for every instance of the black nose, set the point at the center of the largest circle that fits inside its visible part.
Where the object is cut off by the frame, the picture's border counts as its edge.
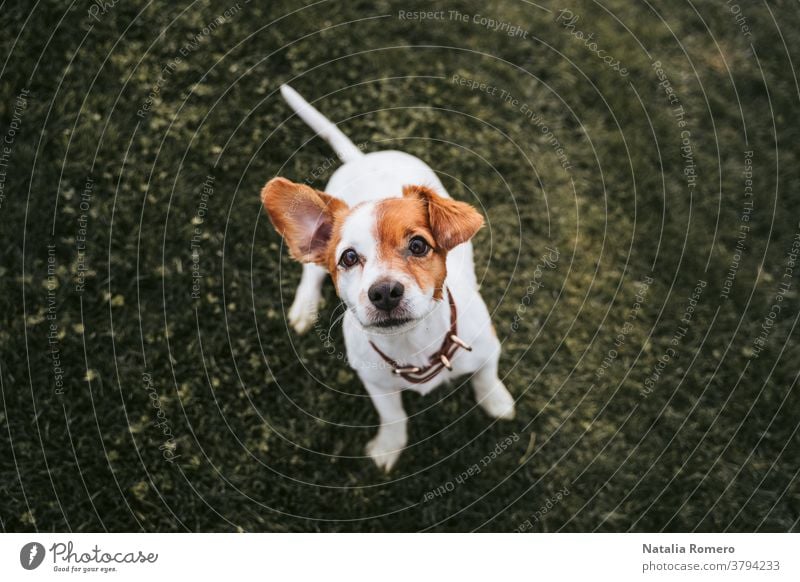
(385, 295)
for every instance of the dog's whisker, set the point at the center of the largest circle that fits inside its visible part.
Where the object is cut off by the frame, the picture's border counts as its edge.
(338, 319)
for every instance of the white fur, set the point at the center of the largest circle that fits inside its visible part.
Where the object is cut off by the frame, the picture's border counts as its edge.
(362, 180)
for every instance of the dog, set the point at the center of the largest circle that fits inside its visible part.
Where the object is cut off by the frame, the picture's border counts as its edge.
(398, 249)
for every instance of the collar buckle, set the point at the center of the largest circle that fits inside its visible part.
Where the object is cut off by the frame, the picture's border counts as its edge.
(439, 360)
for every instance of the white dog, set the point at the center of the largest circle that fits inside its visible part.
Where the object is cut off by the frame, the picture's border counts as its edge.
(399, 252)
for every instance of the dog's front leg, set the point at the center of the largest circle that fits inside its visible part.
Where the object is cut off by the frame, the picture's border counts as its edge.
(490, 392)
(387, 445)
(303, 312)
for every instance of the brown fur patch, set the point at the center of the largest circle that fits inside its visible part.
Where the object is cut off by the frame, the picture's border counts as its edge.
(398, 220)
(452, 222)
(331, 259)
(306, 218)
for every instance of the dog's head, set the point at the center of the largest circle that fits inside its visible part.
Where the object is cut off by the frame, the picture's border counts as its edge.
(387, 258)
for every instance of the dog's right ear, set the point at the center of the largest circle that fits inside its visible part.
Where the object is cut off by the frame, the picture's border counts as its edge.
(303, 216)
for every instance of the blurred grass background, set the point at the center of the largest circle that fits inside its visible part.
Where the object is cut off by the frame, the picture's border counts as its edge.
(260, 443)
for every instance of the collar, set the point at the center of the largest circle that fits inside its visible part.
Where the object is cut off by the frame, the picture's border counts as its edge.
(438, 360)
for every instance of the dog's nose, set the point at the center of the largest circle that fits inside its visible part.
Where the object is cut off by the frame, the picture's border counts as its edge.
(385, 295)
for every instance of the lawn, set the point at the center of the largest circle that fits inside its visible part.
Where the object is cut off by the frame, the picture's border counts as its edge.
(637, 166)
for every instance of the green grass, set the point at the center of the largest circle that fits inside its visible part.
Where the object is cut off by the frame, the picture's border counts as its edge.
(268, 427)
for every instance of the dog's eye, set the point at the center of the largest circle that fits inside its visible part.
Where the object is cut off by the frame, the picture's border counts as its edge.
(418, 246)
(349, 258)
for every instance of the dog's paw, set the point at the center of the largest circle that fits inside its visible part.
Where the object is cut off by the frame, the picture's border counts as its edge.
(303, 313)
(499, 403)
(385, 450)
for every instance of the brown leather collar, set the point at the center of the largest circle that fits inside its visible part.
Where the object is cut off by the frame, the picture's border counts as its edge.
(438, 361)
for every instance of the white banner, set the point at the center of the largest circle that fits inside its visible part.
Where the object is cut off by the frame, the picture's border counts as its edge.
(389, 557)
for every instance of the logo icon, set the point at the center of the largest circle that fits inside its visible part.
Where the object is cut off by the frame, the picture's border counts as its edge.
(31, 555)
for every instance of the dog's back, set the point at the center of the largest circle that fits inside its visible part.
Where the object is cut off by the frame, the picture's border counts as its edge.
(381, 175)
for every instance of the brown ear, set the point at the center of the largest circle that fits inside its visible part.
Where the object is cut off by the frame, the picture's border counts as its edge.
(451, 222)
(303, 216)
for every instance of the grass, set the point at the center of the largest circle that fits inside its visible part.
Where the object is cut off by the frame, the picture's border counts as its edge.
(206, 414)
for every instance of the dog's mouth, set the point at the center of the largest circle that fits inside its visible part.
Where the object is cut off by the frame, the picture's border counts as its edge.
(391, 322)
(378, 321)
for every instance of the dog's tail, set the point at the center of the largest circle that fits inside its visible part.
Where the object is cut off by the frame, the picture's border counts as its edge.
(341, 144)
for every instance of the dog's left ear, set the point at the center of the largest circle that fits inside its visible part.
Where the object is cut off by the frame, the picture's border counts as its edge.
(303, 216)
(451, 222)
